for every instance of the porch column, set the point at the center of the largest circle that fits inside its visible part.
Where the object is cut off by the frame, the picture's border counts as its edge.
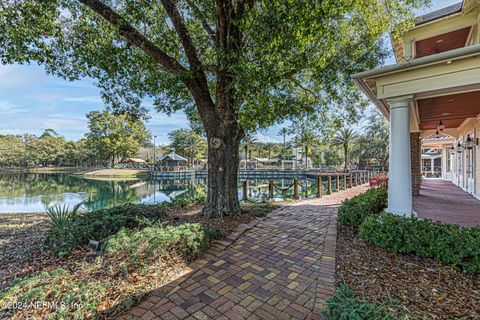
(399, 178)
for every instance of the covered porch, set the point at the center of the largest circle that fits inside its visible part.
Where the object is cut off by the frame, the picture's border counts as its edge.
(424, 99)
(441, 200)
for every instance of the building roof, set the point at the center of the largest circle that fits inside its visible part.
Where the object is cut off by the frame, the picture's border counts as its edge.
(266, 160)
(438, 14)
(135, 160)
(172, 156)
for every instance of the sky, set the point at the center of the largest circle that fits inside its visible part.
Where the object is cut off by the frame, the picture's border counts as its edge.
(32, 101)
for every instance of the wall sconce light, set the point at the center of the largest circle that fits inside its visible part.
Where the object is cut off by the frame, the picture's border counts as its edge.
(459, 147)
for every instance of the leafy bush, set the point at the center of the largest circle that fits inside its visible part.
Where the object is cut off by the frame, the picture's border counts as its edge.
(100, 224)
(345, 306)
(187, 241)
(75, 298)
(444, 243)
(353, 211)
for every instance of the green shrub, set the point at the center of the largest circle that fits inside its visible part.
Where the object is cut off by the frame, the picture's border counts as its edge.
(353, 211)
(444, 243)
(75, 298)
(187, 241)
(78, 229)
(343, 305)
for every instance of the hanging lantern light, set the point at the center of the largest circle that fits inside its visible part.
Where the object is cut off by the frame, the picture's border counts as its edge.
(459, 147)
(437, 133)
(469, 144)
(441, 126)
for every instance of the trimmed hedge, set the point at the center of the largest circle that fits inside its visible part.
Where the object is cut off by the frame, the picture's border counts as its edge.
(444, 243)
(353, 211)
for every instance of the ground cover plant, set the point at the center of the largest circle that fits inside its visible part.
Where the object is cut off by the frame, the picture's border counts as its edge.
(147, 247)
(345, 305)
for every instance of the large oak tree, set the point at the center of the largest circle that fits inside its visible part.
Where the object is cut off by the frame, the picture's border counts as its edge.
(236, 64)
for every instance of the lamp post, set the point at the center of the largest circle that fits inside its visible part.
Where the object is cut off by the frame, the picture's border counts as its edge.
(154, 155)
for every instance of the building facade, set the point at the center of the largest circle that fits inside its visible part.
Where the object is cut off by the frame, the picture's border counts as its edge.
(432, 99)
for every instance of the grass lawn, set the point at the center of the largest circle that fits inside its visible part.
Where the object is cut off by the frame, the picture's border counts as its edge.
(67, 170)
(86, 171)
(144, 254)
(117, 173)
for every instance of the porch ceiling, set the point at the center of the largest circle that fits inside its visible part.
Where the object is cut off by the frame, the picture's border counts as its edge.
(452, 109)
(448, 41)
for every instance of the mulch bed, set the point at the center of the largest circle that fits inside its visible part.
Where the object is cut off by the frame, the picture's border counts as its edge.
(417, 287)
(22, 237)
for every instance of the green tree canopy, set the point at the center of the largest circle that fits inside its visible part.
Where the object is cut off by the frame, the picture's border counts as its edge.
(115, 137)
(237, 64)
(374, 143)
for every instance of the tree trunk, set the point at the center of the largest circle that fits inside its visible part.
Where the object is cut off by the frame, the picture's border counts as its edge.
(306, 156)
(345, 150)
(223, 163)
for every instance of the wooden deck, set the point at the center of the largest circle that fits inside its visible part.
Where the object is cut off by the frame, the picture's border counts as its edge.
(443, 201)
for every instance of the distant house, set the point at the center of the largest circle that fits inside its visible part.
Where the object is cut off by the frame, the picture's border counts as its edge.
(268, 162)
(134, 163)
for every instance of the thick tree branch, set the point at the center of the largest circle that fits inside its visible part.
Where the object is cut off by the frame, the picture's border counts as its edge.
(200, 91)
(203, 20)
(196, 84)
(135, 37)
(182, 31)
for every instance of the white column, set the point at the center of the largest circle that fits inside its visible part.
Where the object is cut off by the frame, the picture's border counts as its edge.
(400, 175)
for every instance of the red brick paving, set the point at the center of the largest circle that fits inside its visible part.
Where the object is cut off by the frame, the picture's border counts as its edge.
(443, 201)
(278, 267)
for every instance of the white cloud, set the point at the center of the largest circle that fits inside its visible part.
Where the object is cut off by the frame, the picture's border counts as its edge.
(87, 99)
(60, 123)
(158, 119)
(264, 138)
(9, 108)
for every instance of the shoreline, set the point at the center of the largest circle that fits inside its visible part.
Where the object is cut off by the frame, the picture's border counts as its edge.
(90, 172)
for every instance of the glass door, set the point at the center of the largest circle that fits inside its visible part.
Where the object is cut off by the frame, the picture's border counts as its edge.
(470, 171)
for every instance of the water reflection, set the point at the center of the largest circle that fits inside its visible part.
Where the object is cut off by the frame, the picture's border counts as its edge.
(32, 192)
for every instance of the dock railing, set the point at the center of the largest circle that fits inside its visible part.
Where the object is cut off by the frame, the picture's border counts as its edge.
(322, 183)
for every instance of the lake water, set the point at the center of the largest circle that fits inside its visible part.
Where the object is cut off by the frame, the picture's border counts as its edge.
(33, 192)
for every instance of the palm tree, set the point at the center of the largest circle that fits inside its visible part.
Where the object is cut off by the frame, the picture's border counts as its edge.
(247, 140)
(344, 138)
(283, 132)
(194, 144)
(306, 138)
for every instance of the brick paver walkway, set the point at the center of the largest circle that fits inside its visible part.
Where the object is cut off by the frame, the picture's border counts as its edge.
(278, 267)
